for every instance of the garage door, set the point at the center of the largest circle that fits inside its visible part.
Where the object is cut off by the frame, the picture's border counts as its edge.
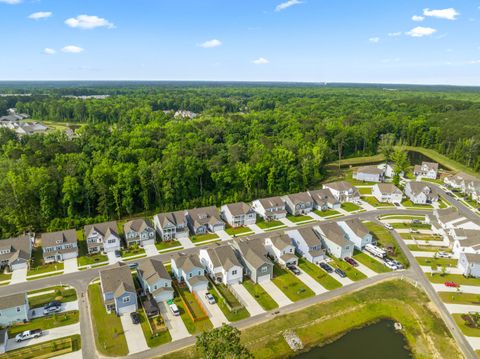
(263, 278)
(17, 266)
(127, 310)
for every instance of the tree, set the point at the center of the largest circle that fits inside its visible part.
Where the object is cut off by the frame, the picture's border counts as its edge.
(221, 343)
(400, 164)
(386, 146)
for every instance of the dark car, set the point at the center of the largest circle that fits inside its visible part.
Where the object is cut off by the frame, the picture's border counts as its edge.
(351, 261)
(133, 265)
(135, 317)
(340, 272)
(326, 267)
(294, 269)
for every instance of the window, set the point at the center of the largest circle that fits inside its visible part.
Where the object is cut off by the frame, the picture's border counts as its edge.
(190, 275)
(155, 287)
(234, 272)
(18, 309)
(263, 270)
(126, 299)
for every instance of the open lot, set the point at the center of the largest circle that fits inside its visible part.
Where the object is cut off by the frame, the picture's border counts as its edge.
(386, 240)
(370, 262)
(460, 298)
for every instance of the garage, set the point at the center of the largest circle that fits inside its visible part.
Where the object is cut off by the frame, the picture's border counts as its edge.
(128, 309)
(17, 265)
(263, 278)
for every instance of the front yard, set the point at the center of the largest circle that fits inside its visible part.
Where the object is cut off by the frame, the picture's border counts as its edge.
(153, 339)
(193, 327)
(203, 237)
(297, 219)
(469, 324)
(410, 204)
(350, 271)
(420, 248)
(460, 298)
(365, 190)
(374, 202)
(268, 224)
(322, 277)
(260, 295)
(327, 213)
(293, 287)
(45, 323)
(133, 251)
(350, 207)
(37, 265)
(370, 262)
(162, 245)
(59, 293)
(238, 231)
(437, 262)
(457, 278)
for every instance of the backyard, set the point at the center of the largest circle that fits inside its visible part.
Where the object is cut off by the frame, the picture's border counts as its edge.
(238, 311)
(260, 295)
(293, 288)
(322, 277)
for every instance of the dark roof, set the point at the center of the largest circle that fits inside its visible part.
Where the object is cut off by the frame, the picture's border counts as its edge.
(175, 218)
(103, 229)
(55, 238)
(204, 215)
(13, 300)
(152, 270)
(20, 247)
(323, 196)
(137, 225)
(239, 208)
(187, 262)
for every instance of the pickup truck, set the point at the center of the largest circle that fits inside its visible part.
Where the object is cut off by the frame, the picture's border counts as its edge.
(28, 334)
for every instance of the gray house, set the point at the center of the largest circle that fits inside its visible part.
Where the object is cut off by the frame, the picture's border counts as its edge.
(15, 253)
(253, 256)
(189, 269)
(308, 244)
(420, 193)
(335, 240)
(298, 203)
(154, 279)
(238, 214)
(203, 220)
(13, 309)
(139, 231)
(59, 246)
(118, 290)
(324, 199)
(171, 225)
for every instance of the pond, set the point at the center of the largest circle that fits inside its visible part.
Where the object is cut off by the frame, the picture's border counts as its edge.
(376, 341)
(416, 158)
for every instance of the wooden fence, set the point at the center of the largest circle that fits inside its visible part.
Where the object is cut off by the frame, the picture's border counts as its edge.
(188, 309)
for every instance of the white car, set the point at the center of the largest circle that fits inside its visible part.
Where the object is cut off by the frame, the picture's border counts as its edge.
(388, 226)
(443, 255)
(210, 298)
(174, 309)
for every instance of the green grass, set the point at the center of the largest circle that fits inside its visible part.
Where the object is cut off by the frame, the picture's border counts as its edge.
(260, 295)
(349, 178)
(374, 202)
(350, 271)
(60, 293)
(460, 298)
(91, 259)
(107, 328)
(365, 190)
(46, 349)
(410, 204)
(296, 219)
(37, 265)
(385, 238)
(356, 161)
(196, 327)
(194, 305)
(238, 231)
(437, 262)
(409, 225)
(293, 288)
(203, 237)
(420, 237)
(405, 217)
(457, 278)
(167, 244)
(370, 262)
(420, 248)
(266, 225)
(45, 323)
(238, 313)
(153, 340)
(322, 277)
(350, 207)
(132, 251)
(327, 213)
(468, 331)
(5, 276)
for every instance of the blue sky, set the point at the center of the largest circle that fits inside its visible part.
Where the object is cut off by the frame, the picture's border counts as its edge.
(254, 40)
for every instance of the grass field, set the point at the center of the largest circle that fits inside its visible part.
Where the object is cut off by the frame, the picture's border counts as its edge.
(365, 190)
(268, 224)
(203, 237)
(420, 248)
(45, 323)
(296, 219)
(370, 262)
(48, 349)
(152, 339)
(350, 271)
(232, 315)
(167, 244)
(238, 231)
(350, 207)
(374, 202)
(260, 295)
(293, 287)
(410, 204)
(327, 213)
(405, 217)
(460, 298)
(457, 278)
(385, 238)
(322, 277)
(196, 327)
(408, 225)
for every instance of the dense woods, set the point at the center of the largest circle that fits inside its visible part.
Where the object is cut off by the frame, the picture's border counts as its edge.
(249, 141)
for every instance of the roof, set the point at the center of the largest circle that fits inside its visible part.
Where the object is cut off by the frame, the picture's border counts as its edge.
(430, 165)
(117, 279)
(388, 188)
(271, 202)
(55, 238)
(473, 241)
(419, 187)
(197, 279)
(20, 247)
(472, 257)
(301, 197)
(239, 208)
(461, 176)
(446, 215)
(287, 256)
(334, 233)
(223, 256)
(104, 229)
(253, 251)
(281, 241)
(13, 300)
(187, 262)
(370, 170)
(323, 196)
(137, 225)
(340, 186)
(175, 218)
(310, 236)
(152, 270)
(204, 215)
(357, 227)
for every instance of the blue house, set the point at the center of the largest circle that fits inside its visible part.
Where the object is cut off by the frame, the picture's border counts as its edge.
(118, 290)
(154, 279)
(13, 309)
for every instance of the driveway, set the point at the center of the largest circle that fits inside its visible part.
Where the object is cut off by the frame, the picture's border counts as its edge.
(49, 334)
(68, 306)
(365, 270)
(214, 312)
(19, 276)
(186, 242)
(134, 335)
(310, 282)
(70, 265)
(256, 229)
(150, 250)
(276, 294)
(175, 325)
(463, 288)
(316, 216)
(224, 236)
(450, 270)
(343, 281)
(287, 222)
(462, 308)
(112, 258)
(247, 300)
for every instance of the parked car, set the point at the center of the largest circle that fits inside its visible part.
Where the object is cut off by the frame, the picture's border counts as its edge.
(396, 204)
(52, 307)
(118, 254)
(397, 264)
(174, 309)
(388, 226)
(414, 230)
(135, 317)
(133, 265)
(351, 261)
(28, 334)
(390, 264)
(340, 272)
(326, 267)
(416, 221)
(443, 255)
(294, 269)
(452, 284)
(210, 298)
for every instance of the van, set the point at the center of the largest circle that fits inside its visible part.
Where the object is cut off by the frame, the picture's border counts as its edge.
(174, 309)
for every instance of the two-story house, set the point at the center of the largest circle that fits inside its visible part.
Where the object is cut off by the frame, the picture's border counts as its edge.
(426, 169)
(308, 244)
(298, 203)
(171, 225)
(59, 246)
(203, 220)
(281, 249)
(188, 269)
(15, 253)
(356, 232)
(102, 237)
(335, 240)
(420, 193)
(222, 265)
(323, 199)
(118, 289)
(139, 231)
(270, 209)
(387, 192)
(155, 280)
(343, 191)
(469, 264)
(13, 309)
(238, 214)
(369, 174)
(253, 256)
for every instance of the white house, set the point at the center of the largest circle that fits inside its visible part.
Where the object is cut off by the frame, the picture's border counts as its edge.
(343, 191)
(102, 237)
(281, 249)
(471, 244)
(272, 208)
(387, 192)
(298, 203)
(59, 246)
(469, 263)
(427, 170)
(238, 214)
(388, 170)
(324, 199)
(222, 265)
(139, 231)
(308, 244)
(459, 181)
(420, 193)
(356, 232)
(335, 240)
(369, 174)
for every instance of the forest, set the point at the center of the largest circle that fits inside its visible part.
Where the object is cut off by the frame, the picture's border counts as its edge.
(131, 156)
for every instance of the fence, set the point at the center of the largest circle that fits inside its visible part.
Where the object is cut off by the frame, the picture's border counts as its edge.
(225, 300)
(42, 351)
(187, 306)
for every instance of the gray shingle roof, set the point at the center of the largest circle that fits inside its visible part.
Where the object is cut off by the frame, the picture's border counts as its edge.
(13, 300)
(370, 170)
(357, 227)
(223, 256)
(310, 236)
(175, 218)
(103, 229)
(388, 188)
(253, 251)
(137, 225)
(239, 208)
(281, 241)
(271, 202)
(187, 262)
(117, 279)
(152, 270)
(20, 247)
(323, 196)
(334, 233)
(55, 238)
(204, 215)
(300, 197)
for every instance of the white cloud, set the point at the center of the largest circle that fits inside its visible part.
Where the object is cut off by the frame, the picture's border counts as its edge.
(88, 22)
(287, 4)
(448, 14)
(421, 31)
(261, 61)
(210, 44)
(394, 34)
(40, 15)
(374, 40)
(72, 49)
(11, 2)
(418, 18)
(49, 51)
(475, 62)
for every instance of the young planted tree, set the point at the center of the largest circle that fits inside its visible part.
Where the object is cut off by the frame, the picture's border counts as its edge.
(222, 343)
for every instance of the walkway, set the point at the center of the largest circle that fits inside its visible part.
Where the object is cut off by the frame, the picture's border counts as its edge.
(256, 229)
(247, 299)
(276, 294)
(365, 270)
(287, 222)
(224, 236)
(19, 276)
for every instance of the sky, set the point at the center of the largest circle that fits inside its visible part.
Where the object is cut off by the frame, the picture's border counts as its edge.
(370, 41)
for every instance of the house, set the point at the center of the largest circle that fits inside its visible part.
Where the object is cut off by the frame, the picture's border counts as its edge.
(171, 225)
(222, 264)
(389, 171)
(270, 209)
(469, 264)
(15, 253)
(155, 280)
(102, 237)
(238, 214)
(369, 174)
(253, 256)
(387, 192)
(298, 203)
(459, 181)
(335, 240)
(59, 246)
(3, 340)
(13, 309)
(426, 169)
(281, 249)
(473, 190)
(308, 244)
(357, 232)
(471, 244)
(451, 225)
(420, 193)
(203, 220)
(343, 191)
(188, 269)
(140, 232)
(118, 290)
(324, 199)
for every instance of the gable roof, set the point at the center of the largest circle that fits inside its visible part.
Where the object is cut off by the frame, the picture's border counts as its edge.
(253, 251)
(281, 241)
(174, 218)
(373, 170)
(271, 202)
(61, 237)
(204, 215)
(152, 270)
(357, 227)
(340, 186)
(417, 188)
(187, 262)
(472, 257)
(137, 225)
(104, 229)
(334, 233)
(430, 165)
(450, 214)
(13, 300)
(301, 197)
(223, 256)
(310, 236)
(239, 208)
(117, 279)
(323, 196)
(20, 247)
(388, 188)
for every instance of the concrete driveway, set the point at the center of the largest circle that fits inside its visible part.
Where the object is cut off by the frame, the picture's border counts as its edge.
(310, 282)
(462, 308)
(214, 312)
(66, 307)
(256, 229)
(150, 250)
(440, 287)
(224, 236)
(19, 276)
(49, 334)
(70, 265)
(287, 222)
(112, 258)
(276, 294)
(175, 325)
(134, 335)
(247, 299)
(365, 270)
(343, 281)
(186, 242)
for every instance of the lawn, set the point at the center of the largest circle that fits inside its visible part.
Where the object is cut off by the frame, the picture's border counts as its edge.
(374, 202)
(196, 327)
(293, 288)
(203, 237)
(460, 298)
(37, 265)
(350, 207)
(153, 340)
(59, 293)
(132, 251)
(409, 225)
(260, 295)
(385, 239)
(349, 178)
(357, 161)
(296, 219)
(5, 276)
(269, 224)
(107, 328)
(370, 262)
(47, 349)
(91, 259)
(238, 231)
(463, 325)
(322, 277)
(365, 190)
(410, 204)
(327, 213)
(405, 217)
(420, 248)
(167, 244)
(457, 278)
(45, 323)
(420, 237)
(437, 262)
(350, 271)
(238, 313)
(193, 304)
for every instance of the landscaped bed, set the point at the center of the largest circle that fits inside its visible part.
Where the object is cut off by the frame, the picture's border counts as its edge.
(133, 251)
(370, 262)
(469, 323)
(59, 293)
(293, 288)
(260, 295)
(45, 323)
(322, 277)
